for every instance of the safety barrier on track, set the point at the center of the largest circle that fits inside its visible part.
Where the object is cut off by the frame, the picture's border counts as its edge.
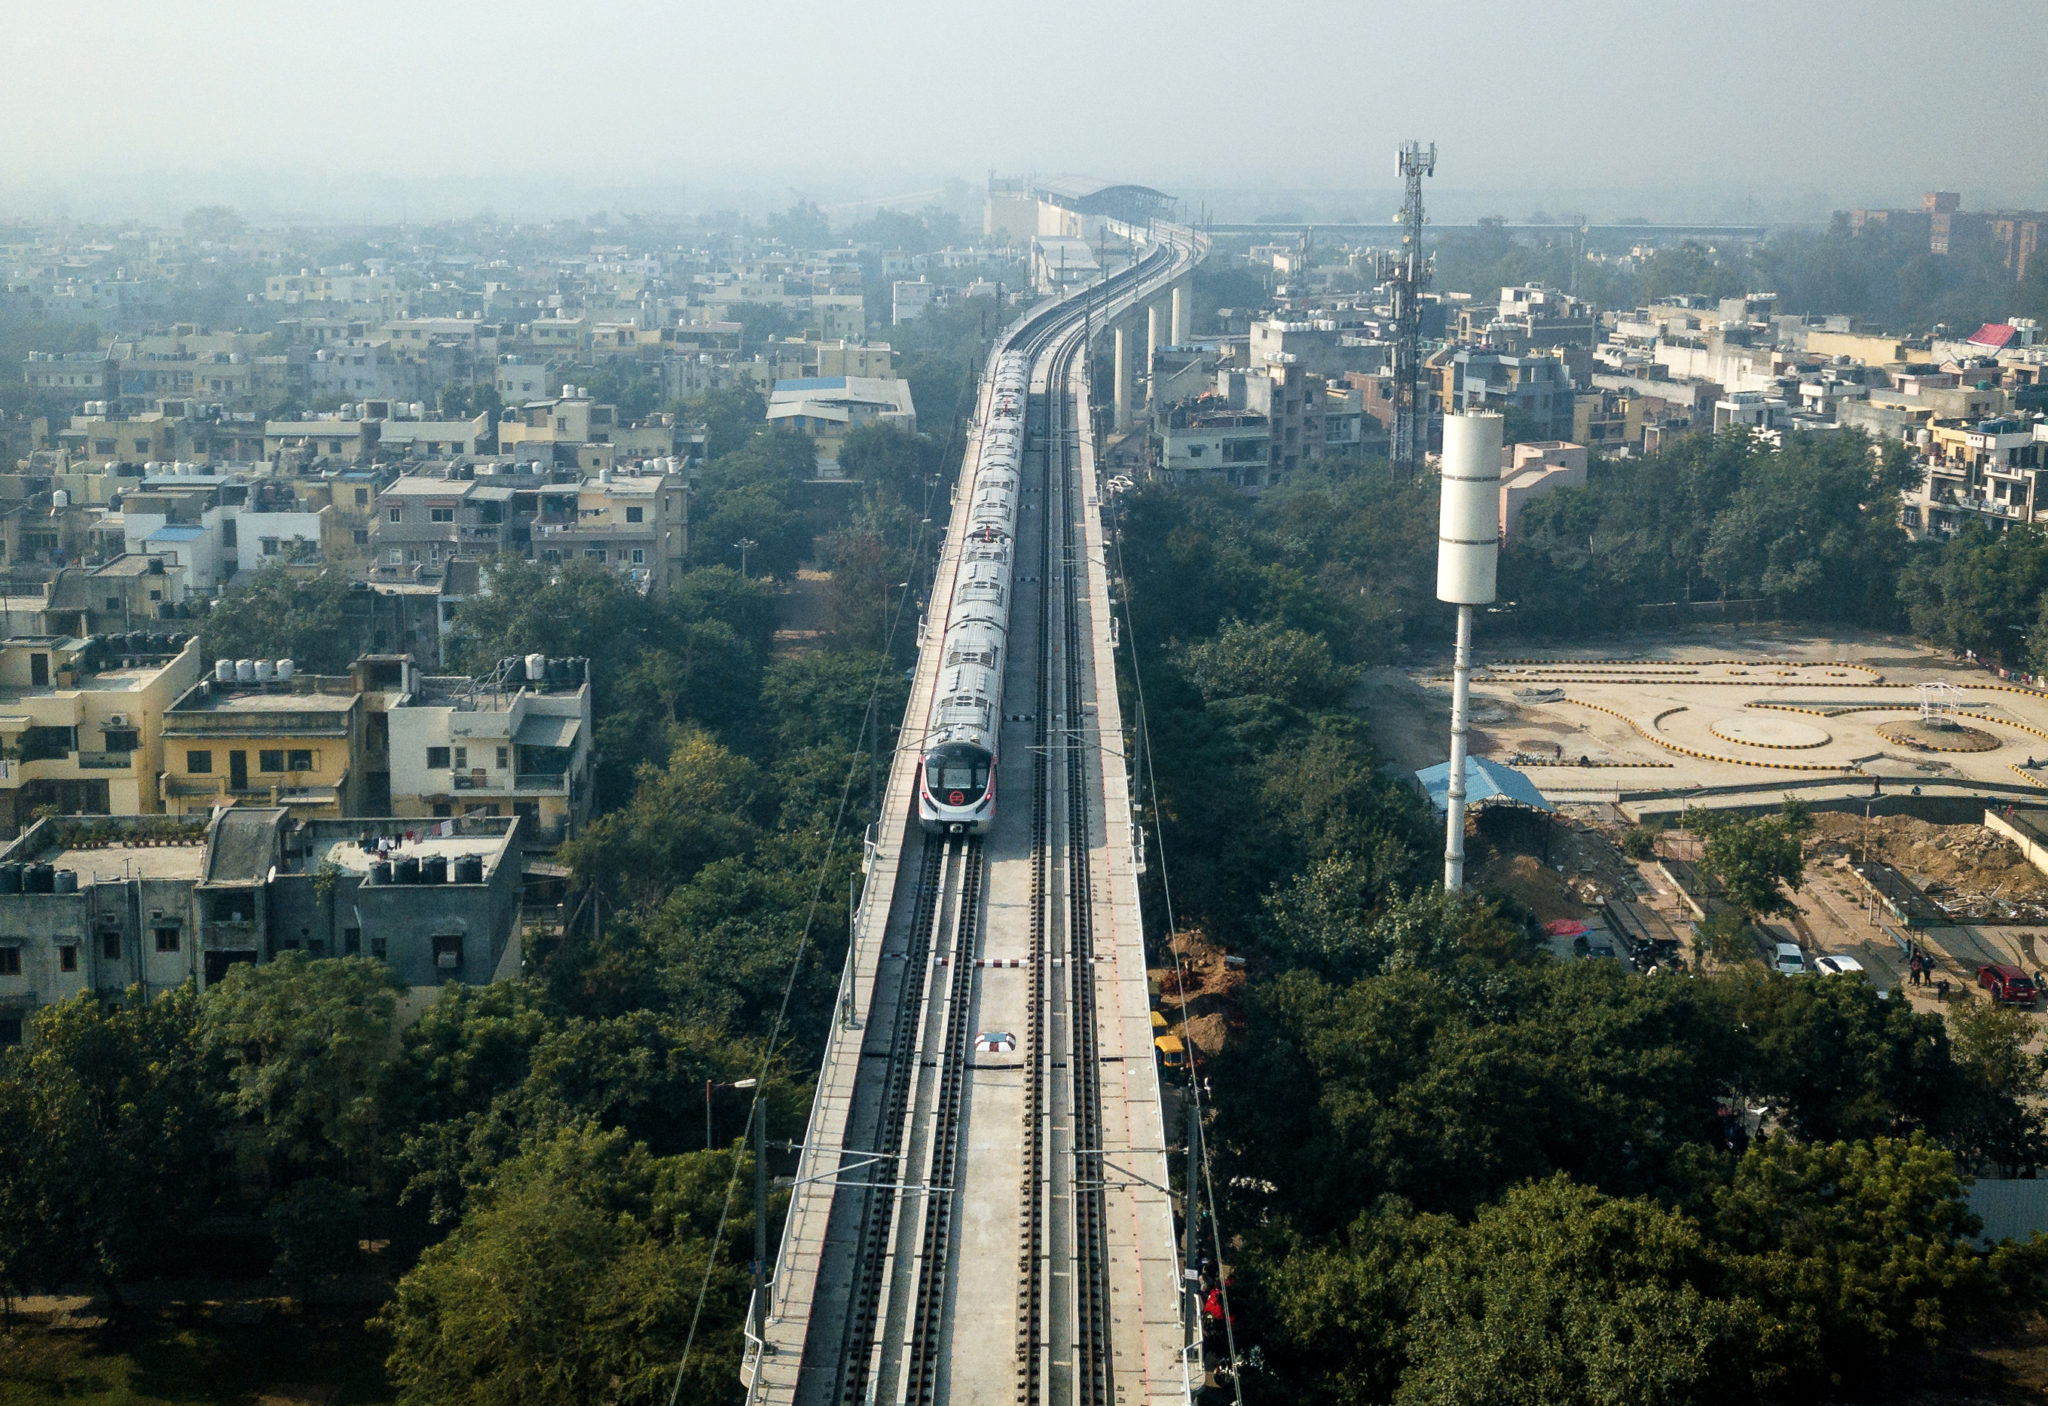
(2028, 777)
(1669, 746)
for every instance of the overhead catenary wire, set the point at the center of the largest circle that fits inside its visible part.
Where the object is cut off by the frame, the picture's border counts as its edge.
(1151, 784)
(859, 760)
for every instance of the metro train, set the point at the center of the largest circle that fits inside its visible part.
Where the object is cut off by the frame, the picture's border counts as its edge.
(956, 791)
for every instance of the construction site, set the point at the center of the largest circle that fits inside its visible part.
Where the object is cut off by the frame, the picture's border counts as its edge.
(1903, 755)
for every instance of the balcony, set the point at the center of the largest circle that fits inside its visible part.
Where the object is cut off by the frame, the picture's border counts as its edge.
(542, 781)
(105, 761)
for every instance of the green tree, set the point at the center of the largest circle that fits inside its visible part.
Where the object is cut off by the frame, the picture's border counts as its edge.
(1996, 1121)
(305, 1041)
(317, 1227)
(1293, 666)
(591, 1251)
(1859, 1251)
(698, 808)
(107, 1121)
(276, 612)
(1755, 859)
(1559, 1296)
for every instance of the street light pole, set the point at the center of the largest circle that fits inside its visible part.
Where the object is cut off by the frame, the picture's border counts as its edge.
(743, 546)
(760, 1121)
(709, 1085)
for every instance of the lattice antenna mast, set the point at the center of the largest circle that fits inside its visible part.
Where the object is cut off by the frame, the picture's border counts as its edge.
(1407, 274)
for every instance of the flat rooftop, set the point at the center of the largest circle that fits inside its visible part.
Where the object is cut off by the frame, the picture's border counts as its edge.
(103, 863)
(256, 699)
(349, 854)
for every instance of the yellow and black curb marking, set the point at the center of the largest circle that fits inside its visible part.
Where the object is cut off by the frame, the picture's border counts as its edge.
(1825, 738)
(1683, 663)
(2026, 776)
(1669, 746)
(1991, 744)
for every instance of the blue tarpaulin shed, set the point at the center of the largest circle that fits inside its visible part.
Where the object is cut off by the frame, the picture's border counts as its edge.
(1484, 782)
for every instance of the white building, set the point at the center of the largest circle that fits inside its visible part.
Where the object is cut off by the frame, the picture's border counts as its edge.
(517, 744)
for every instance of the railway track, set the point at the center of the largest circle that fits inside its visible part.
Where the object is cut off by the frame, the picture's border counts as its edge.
(901, 1323)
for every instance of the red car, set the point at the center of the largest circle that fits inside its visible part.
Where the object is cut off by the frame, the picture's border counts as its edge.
(2007, 983)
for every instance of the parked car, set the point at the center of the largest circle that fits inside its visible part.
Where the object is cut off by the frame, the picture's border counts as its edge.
(2007, 982)
(1788, 960)
(1838, 964)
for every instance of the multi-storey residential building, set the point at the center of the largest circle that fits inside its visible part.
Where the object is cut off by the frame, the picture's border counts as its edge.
(518, 743)
(636, 523)
(83, 720)
(299, 741)
(100, 906)
(427, 518)
(1988, 473)
(1536, 387)
(1225, 446)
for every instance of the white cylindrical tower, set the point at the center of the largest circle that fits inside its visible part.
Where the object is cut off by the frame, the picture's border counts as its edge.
(1468, 526)
(1467, 563)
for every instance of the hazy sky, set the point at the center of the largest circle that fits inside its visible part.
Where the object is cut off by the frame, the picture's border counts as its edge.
(1850, 102)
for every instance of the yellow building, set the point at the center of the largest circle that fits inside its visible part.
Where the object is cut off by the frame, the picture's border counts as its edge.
(81, 721)
(299, 742)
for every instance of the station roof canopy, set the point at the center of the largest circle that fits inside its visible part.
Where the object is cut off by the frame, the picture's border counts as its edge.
(1486, 783)
(1130, 204)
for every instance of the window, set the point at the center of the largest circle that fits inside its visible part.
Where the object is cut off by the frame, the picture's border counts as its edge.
(448, 952)
(440, 515)
(39, 670)
(594, 553)
(10, 1029)
(362, 535)
(639, 556)
(362, 497)
(299, 759)
(636, 515)
(398, 515)
(167, 939)
(462, 759)
(10, 961)
(270, 546)
(110, 946)
(156, 595)
(123, 739)
(351, 942)
(379, 946)
(437, 758)
(113, 605)
(442, 811)
(504, 758)
(270, 761)
(199, 763)
(67, 957)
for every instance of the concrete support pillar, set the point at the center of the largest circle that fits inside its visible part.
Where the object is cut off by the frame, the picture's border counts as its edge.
(1126, 374)
(1183, 312)
(1156, 330)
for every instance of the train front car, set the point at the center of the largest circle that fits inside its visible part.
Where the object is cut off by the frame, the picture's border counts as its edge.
(957, 781)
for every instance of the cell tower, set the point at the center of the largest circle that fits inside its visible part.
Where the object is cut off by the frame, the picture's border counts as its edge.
(1407, 274)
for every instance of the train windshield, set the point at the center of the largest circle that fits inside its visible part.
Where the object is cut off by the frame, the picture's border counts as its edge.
(956, 775)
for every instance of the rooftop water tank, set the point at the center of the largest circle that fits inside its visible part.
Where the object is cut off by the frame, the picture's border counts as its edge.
(224, 670)
(285, 668)
(245, 671)
(64, 881)
(536, 668)
(265, 671)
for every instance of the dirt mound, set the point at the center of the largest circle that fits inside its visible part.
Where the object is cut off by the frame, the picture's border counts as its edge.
(1199, 997)
(1968, 861)
(1533, 884)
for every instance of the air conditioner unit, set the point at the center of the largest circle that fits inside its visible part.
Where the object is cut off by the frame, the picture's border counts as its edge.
(117, 720)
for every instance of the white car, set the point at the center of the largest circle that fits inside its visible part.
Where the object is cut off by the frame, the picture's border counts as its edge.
(1837, 964)
(1788, 960)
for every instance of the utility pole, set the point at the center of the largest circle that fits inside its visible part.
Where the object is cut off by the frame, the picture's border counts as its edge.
(1407, 274)
(743, 546)
(1191, 1245)
(760, 1121)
